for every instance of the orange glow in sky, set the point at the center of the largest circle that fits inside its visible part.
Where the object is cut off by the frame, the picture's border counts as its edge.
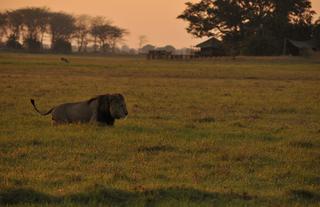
(154, 18)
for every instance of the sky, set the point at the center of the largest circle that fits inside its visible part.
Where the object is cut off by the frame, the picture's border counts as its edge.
(156, 19)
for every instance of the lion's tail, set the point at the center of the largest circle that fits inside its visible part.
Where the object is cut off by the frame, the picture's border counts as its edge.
(42, 113)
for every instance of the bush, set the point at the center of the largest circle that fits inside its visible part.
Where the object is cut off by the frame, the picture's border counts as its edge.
(106, 48)
(32, 45)
(316, 33)
(61, 46)
(13, 43)
(260, 45)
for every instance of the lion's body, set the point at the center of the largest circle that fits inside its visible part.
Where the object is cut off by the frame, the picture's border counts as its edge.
(74, 112)
(101, 109)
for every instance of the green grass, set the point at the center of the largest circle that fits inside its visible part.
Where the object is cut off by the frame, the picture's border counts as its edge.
(213, 132)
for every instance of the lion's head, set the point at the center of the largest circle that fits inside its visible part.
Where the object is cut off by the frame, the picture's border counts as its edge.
(118, 108)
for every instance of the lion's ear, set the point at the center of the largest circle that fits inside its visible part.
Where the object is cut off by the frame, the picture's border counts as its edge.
(92, 99)
(120, 95)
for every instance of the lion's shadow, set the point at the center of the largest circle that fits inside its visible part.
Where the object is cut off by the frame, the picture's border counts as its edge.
(114, 197)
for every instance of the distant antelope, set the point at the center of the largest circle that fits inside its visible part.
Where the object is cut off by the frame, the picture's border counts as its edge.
(64, 60)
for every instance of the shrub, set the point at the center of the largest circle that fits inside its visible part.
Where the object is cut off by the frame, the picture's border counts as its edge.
(13, 43)
(32, 45)
(61, 46)
(261, 45)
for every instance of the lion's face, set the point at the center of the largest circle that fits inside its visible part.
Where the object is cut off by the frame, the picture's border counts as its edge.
(118, 108)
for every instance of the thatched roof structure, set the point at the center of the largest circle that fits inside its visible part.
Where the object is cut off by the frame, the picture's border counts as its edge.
(210, 43)
(309, 44)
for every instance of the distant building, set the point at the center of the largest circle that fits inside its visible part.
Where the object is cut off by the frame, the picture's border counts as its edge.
(210, 47)
(145, 49)
(304, 48)
(159, 54)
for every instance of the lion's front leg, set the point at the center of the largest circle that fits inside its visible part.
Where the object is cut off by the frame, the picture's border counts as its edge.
(94, 117)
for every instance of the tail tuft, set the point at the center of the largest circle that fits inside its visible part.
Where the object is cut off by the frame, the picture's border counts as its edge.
(35, 108)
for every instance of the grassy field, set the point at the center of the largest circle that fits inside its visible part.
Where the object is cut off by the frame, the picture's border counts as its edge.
(216, 132)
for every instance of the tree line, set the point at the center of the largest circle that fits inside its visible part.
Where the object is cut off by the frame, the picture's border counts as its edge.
(252, 27)
(32, 27)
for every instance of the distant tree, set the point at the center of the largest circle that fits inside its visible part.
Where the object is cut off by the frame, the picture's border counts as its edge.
(133, 51)
(125, 49)
(35, 22)
(13, 43)
(168, 48)
(102, 32)
(142, 40)
(235, 21)
(96, 24)
(261, 45)
(106, 35)
(3, 25)
(14, 24)
(30, 24)
(316, 32)
(82, 31)
(220, 17)
(145, 49)
(62, 46)
(116, 34)
(186, 51)
(32, 44)
(62, 27)
(288, 13)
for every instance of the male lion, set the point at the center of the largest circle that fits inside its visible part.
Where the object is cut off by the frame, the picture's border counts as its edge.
(100, 109)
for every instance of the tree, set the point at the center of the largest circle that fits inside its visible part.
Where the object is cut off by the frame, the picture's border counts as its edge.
(3, 24)
(133, 51)
(142, 40)
(106, 34)
(13, 43)
(35, 22)
(61, 46)
(14, 24)
(168, 48)
(30, 24)
(82, 31)
(102, 32)
(96, 23)
(316, 32)
(145, 49)
(125, 49)
(115, 34)
(235, 20)
(261, 45)
(32, 44)
(292, 19)
(62, 27)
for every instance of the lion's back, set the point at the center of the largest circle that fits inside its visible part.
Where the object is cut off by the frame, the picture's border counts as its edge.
(72, 112)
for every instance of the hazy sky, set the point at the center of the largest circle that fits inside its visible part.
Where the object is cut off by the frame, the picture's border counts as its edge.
(154, 18)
